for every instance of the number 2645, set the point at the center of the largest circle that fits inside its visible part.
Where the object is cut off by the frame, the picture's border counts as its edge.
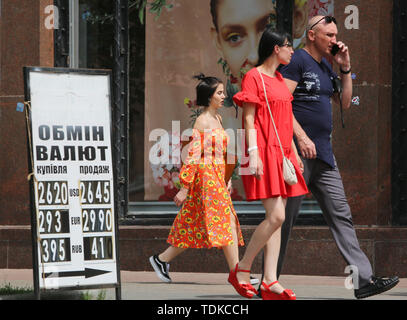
(95, 192)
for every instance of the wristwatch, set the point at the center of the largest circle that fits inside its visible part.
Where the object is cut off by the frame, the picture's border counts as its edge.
(345, 72)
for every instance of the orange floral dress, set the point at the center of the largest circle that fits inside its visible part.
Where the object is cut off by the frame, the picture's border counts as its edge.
(204, 219)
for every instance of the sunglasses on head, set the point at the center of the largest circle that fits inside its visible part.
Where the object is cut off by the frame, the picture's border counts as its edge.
(328, 19)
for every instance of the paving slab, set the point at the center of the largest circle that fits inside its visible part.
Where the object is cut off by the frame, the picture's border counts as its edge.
(208, 286)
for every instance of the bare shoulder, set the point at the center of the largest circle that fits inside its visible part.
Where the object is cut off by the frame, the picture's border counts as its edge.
(201, 123)
(220, 118)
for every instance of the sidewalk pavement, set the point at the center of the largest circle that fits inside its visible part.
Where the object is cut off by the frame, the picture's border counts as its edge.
(209, 286)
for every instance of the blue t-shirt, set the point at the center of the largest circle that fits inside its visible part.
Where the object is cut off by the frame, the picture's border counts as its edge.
(312, 105)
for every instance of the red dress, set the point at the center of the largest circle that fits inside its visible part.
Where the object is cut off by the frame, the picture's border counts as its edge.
(272, 182)
(204, 219)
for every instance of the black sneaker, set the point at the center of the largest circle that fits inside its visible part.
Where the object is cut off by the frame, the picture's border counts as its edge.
(161, 268)
(378, 285)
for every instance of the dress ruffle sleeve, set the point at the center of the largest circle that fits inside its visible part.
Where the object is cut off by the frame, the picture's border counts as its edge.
(187, 172)
(249, 92)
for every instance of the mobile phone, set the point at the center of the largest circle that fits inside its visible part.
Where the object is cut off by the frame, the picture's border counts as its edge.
(335, 49)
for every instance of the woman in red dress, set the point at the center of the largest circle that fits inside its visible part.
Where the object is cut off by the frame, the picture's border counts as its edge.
(263, 175)
(207, 218)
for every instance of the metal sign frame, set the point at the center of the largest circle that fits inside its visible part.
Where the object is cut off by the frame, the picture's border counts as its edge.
(103, 213)
(399, 115)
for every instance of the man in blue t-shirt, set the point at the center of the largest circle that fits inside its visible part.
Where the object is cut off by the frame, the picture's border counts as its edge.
(309, 77)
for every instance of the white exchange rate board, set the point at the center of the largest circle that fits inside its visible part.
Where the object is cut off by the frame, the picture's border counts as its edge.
(73, 185)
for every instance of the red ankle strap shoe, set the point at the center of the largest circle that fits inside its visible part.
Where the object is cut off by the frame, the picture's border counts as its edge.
(242, 288)
(267, 294)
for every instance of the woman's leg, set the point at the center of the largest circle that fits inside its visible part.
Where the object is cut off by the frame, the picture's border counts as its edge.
(160, 263)
(271, 254)
(275, 214)
(170, 253)
(231, 252)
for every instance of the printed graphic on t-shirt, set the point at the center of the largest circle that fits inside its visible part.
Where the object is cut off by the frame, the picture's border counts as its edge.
(308, 89)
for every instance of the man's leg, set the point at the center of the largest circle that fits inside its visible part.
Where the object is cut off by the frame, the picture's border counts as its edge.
(328, 189)
(291, 213)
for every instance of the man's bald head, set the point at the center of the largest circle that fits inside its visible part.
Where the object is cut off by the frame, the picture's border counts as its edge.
(314, 20)
(321, 35)
(319, 24)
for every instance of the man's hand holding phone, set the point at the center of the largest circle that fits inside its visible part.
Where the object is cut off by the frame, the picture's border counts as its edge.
(341, 55)
(335, 49)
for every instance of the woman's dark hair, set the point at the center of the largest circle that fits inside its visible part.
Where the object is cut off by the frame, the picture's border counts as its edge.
(205, 89)
(214, 14)
(269, 39)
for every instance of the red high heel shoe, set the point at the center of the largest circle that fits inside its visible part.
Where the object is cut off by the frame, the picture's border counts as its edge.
(241, 288)
(267, 294)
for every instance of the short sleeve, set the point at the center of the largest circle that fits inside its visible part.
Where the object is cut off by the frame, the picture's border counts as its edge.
(249, 92)
(188, 170)
(293, 70)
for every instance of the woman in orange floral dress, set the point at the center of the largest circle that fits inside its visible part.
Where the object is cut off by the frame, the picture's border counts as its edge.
(207, 218)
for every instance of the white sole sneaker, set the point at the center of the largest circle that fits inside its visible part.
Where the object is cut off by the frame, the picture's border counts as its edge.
(254, 280)
(158, 270)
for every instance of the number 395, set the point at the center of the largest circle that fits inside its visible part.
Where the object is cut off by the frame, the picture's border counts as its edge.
(55, 250)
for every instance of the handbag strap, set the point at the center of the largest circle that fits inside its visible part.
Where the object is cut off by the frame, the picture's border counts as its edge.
(271, 116)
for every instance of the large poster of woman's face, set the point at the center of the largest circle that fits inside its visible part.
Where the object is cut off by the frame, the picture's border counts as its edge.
(218, 38)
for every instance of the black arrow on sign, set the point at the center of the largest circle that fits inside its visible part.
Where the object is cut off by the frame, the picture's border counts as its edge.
(88, 273)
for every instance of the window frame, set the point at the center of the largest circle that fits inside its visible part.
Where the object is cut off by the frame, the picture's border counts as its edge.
(148, 212)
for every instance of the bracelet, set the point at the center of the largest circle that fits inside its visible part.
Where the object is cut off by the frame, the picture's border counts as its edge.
(251, 149)
(345, 72)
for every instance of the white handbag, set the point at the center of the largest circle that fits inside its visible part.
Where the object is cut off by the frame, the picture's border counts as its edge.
(290, 176)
